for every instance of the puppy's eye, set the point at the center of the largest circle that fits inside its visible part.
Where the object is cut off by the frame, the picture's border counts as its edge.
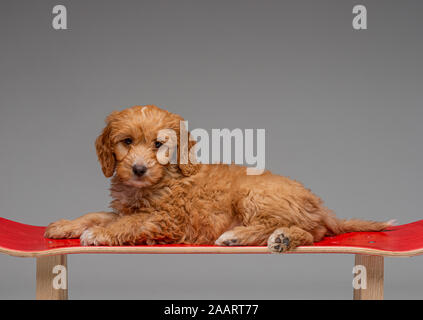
(158, 144)
(127, 141)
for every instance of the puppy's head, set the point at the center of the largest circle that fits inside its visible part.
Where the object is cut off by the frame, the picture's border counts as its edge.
(132, 145)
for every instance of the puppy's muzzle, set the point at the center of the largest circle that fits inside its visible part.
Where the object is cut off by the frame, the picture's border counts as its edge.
(139, 170)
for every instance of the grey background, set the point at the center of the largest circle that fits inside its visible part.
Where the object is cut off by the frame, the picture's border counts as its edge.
(342, 111)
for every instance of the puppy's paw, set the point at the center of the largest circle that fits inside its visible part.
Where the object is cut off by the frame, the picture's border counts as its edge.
(228, 239)
(278, 242)
(63, 229)
(96, 236)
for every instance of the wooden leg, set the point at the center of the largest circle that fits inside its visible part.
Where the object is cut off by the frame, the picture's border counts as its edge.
(373, 266)
(52, 277)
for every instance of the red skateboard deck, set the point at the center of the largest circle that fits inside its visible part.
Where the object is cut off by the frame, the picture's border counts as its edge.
(24, 240)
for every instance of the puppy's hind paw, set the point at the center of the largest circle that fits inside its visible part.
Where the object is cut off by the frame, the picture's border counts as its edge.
(227, 239)
(278, 242)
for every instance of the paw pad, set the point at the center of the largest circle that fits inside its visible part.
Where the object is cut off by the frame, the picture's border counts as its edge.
(278, 242)
(228, 238)
(230, 242)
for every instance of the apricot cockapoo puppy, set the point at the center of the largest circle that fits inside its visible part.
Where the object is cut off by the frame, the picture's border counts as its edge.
(192, 203)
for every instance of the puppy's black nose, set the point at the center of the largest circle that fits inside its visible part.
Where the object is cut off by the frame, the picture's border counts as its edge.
(139, 170)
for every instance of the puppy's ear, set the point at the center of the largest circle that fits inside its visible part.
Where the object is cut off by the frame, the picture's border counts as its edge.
(104, 148)
(187, 161)
(189, 166)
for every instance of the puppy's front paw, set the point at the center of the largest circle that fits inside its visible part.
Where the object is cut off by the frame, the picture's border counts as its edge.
(227, 239)
(96, 236)
(62, 229)
(278, 242)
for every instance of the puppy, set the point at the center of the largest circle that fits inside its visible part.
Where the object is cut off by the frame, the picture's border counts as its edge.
(192, 203)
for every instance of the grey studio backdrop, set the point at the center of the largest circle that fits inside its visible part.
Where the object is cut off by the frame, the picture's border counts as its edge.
(342, 111)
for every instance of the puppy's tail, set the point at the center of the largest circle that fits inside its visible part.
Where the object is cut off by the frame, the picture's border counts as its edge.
(338, 226)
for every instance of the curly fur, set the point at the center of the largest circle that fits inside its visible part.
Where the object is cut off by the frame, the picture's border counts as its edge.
(195, 203)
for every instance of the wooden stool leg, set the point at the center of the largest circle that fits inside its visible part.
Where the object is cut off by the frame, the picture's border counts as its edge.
(52, 277)
(374, 271)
